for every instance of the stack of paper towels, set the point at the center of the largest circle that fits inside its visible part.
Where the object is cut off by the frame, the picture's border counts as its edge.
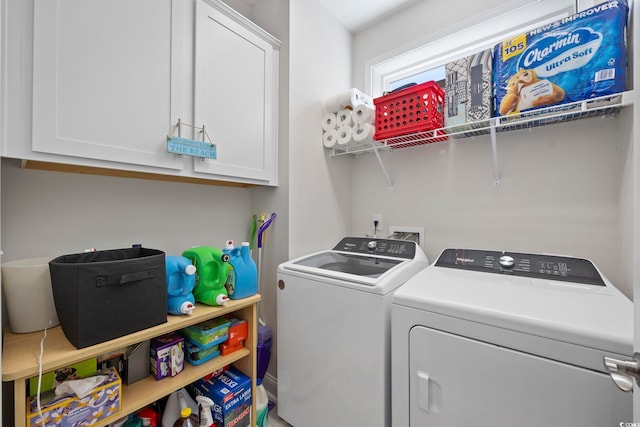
(350, 120)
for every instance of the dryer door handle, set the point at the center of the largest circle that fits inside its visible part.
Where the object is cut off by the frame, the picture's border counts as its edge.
(429, 393)
(623, 371)
(423, 391)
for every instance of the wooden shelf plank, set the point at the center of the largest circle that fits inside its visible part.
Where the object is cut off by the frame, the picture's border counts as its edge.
(20, 352)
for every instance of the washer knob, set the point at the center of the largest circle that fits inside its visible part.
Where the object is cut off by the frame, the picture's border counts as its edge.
(506, 261)
(372, 244)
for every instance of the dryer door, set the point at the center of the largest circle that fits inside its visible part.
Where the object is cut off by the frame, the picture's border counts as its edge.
(457, 381)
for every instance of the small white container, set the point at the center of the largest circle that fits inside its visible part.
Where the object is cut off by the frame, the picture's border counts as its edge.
(26, 287)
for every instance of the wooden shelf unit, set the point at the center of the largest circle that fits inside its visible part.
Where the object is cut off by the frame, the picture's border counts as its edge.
(21, 352)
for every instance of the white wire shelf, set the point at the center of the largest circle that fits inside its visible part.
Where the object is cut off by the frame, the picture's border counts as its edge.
(609, 105)
(602, 106)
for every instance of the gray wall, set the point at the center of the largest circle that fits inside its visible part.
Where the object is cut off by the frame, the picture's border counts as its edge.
(560, 189)
(51, 213)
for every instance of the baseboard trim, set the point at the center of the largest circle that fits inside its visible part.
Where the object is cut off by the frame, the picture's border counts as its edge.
(271, 385)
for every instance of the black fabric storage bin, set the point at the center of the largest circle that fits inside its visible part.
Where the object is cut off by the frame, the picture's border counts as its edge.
(103, 295)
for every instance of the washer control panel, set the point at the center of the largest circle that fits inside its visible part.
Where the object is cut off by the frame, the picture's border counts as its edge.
(551, 267)
(386, 247)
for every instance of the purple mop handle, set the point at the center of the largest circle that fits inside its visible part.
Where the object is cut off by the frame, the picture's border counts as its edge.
(263, 227)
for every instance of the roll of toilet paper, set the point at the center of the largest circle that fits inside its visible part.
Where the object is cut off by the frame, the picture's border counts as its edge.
(364, 114)
(363, 132)
(351, 98)
(329, 138)
(329, 121)
(344, 135)
(344, 117)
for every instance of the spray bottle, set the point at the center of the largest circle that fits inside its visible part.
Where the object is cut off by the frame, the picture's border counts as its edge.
(212, 270)
(206, 416)
(242, 280)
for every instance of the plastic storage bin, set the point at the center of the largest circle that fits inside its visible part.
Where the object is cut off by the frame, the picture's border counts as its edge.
(414, 109)
(208, 333)
(26, 285)
(103, 295)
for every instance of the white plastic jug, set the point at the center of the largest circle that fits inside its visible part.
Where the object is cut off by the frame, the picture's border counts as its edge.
(27, 290)
(173, 408)
(262, 406)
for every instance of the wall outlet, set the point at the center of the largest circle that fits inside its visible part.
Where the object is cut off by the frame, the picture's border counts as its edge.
(407, 233)
(376, 217)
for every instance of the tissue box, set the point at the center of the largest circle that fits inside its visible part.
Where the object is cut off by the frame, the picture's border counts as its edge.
(231, 395)
(208, 333)
(68, 411)
(167, 355)
(82, 369)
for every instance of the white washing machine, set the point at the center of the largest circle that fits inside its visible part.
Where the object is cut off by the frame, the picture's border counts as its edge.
(498, 339)
(334, 332)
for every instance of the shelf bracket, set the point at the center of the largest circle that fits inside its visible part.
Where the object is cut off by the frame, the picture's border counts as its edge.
(494, 149)
(384, 170)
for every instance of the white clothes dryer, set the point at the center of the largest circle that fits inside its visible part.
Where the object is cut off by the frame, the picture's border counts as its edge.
(334, 331)
(498, 339)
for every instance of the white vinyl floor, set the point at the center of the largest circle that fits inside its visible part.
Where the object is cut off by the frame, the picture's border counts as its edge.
(274, 421)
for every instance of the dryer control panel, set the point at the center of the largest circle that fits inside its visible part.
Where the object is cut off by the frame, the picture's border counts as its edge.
(551, 267)
(385, 247)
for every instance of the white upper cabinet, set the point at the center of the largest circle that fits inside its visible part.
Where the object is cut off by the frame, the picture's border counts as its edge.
(236, 93)
(102, 80)
(108, 81)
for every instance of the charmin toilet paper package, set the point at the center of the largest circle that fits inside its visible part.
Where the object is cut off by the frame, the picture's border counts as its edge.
(579, 57)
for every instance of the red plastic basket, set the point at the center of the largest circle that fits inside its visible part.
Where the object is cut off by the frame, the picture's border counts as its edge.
(414, 109)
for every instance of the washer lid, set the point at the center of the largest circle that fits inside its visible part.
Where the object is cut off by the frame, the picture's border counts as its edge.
(599, 317)
(379, 263)
(357, 265)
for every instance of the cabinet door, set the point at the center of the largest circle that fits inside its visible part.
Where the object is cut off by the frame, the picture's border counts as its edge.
(102, 80)
(236, 94)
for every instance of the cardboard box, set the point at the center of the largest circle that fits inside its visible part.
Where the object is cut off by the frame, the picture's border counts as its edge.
(456, 92)
(469, 92)
(480, 86)
(167, 355)
(197, 355)
(238, 333)
(231, 395)
(68, 411)
(208, 333)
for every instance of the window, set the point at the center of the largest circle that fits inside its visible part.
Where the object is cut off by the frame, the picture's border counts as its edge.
(424, 60)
